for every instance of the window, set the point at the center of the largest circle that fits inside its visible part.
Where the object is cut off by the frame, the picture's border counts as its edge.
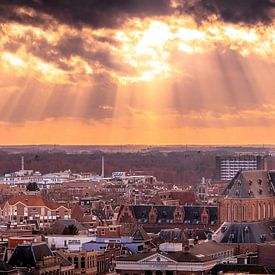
(253, 218)
(76, 262)
(264, 211)
(244, 213)
(235, 212)
(82, 262)
(92, 261)
(228, 213)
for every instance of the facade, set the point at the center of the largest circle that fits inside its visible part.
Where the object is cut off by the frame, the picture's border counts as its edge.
(84, 262)
(228, 166)
(23, 209)
(156, 217)
(247, 210)
(175, 259)
(175, 197)
(249, 197)
(70, 242)
(38, 259)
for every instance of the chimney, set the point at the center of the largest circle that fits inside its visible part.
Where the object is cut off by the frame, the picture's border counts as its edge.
(102, 167)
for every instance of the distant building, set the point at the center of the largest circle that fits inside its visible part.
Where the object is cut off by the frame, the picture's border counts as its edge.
(174, 197)
(175, 259)
(156, 217)
(22, 209)
(83, 261)
(37, 258)
(228, 166)
(247, 210)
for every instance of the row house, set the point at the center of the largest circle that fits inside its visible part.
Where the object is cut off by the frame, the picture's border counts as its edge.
(22, 209)
(168, 216)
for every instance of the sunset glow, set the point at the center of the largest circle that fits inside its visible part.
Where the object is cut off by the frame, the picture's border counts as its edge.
(154, 79)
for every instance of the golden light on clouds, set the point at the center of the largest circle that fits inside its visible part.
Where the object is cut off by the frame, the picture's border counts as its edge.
(153, 79)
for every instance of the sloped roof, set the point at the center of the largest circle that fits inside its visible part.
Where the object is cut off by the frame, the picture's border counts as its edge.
(245, 232)
(60, 224)
(26, 255)
(172, 235)
(209, 247)
(179, 256)
(33, 200)
(63, 260)
(141, 235)
(184, 196)
(165, 212)
(250, 184)
(77, 213)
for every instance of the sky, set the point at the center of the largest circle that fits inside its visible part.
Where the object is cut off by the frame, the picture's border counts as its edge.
(137, 72)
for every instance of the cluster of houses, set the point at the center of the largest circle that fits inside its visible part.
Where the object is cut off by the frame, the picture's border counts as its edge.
(134, 224)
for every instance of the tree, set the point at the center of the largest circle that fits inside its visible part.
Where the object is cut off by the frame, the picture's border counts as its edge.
(70, 230)
(32, 186)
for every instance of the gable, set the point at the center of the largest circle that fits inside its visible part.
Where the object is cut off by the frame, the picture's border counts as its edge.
(157, 258)
(20, 204)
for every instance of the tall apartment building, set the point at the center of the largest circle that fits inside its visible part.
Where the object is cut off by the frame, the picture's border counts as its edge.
(228, 166)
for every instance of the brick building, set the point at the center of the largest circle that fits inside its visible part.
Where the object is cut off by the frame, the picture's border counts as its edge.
(85, 262)
(249, 197)
(22, 209)
(38, 259)
(156, 217)
(247, 210)
(175, 259)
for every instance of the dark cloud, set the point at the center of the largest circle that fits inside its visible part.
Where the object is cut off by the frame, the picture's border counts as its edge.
(69, 46)
(243, 11)
(111, 13)
(96, 13)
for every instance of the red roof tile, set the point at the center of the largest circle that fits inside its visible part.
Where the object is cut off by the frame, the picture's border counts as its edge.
(33, 200)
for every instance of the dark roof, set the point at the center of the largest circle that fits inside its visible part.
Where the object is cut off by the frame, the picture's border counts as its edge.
(165, 212)
(172, 235)
(141, 235)
(250, 269)
(254, 232)
(26, 255)
(251, 184)
(179, 256)
(5, 267)
(40, 251)
(60, 224)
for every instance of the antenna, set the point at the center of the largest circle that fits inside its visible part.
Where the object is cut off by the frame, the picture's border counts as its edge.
(102, 167)
(22, 163)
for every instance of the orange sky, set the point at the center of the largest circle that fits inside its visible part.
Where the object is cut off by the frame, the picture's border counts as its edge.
(158, 79)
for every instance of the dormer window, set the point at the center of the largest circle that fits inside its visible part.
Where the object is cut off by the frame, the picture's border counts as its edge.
(250, 182)
(260, 181)
(237, 193)
(260, 191)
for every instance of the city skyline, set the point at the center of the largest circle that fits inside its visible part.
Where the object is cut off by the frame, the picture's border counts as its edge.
(137, 72)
